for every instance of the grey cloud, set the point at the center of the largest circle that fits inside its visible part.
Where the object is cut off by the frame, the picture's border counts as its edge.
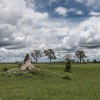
(18, 46)
(30, 3)
(16, 22)
(57, 34)
(90, 45)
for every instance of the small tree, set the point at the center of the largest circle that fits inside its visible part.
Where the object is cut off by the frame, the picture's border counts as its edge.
(36, 55)
(68, 63)
(80, 55)
(50, 54)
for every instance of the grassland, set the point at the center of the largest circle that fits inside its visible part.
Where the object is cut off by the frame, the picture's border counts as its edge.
(52, 83)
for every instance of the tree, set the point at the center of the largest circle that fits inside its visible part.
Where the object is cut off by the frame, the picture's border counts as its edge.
(94, 61)
(80, 55)
(50, 54)
(36, 55)
(67, 57)
(88, 60)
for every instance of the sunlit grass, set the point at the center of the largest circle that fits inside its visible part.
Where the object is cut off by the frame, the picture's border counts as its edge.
(52, 83)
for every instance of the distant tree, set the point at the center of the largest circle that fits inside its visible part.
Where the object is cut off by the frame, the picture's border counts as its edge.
(67, 57)
(36, 55)
(80, 55)
(88, 60)
(50, 54)
(94, 61)
(73, 61)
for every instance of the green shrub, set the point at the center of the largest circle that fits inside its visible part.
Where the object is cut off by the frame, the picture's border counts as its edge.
(68, 66)
(66, 78)
(20, 73)
(19, 64)
(34, 71)
(5, 69)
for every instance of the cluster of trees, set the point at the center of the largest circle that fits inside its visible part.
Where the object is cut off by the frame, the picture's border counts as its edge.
(36, 54)
(49, 53)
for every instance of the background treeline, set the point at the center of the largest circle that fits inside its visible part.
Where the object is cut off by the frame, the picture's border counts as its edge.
(50, 54)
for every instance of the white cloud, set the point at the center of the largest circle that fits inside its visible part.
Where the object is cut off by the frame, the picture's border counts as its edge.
(81, 1)
(94, 4)
(52, 1)
(89, 2)
(16, 21)
(22, 30)
(30, 3)
(58, 37)
(15, 11)
(64, 11)
(61, 11)
(94, 13)
(79, 12)
(90, 32)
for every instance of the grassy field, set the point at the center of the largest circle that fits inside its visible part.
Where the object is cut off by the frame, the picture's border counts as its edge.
(52, 83)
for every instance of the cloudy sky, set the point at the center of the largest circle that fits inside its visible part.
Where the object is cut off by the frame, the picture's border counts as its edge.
(63, 25)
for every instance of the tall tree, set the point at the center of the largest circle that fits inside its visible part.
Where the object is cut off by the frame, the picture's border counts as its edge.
(50, 54)
(80, 55)
(36, 55)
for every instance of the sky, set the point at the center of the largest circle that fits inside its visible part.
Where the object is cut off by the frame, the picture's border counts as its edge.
(62, 25)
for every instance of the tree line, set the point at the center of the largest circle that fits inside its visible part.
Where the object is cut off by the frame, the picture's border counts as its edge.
(36, 54)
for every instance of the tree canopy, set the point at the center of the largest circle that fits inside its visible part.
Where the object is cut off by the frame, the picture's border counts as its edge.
(50, 54)
(80, 55)
(36, 55)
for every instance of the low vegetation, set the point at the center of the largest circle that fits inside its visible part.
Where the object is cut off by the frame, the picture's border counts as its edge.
(50, 82)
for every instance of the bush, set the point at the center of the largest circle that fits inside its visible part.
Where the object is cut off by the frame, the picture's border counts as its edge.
(34, 71)
(16, 72)
(66, 78)
(19, 64)
(5, 69)
(68, 66)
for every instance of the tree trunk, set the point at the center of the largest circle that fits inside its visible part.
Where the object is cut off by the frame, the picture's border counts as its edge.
(80, 59)
(50, 60)
(36, 61)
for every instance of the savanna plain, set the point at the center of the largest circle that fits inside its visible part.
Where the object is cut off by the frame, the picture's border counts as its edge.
(51, 82)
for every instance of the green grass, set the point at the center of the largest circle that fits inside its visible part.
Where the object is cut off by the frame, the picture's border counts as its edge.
(52, 83)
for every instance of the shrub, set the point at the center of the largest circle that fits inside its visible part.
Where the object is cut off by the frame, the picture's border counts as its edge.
(34, 71)
(19, 64)
(68, 66)
(5, 69)
(66, 78)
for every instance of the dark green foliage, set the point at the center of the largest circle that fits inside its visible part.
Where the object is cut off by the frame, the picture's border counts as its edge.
(50, 54)
(19, 64)
(13, 72)
(80, 55)
(20, 73)
(36, 55)
(34, 71)
(5, 69)
(94, 61)
(68, 66)
(66, 78)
